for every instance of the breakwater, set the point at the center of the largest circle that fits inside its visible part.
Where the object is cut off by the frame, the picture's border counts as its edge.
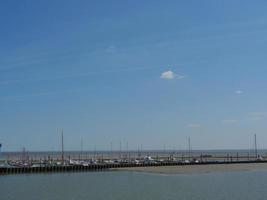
(101, 167)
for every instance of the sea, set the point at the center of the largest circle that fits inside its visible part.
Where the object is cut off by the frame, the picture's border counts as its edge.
(122, 185)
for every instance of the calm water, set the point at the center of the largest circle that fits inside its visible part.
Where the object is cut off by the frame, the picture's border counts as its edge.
(132, 186)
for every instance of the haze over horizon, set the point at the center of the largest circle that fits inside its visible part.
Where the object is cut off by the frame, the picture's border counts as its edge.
(142, 72)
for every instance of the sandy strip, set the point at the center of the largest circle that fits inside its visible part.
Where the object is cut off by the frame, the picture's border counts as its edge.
(194, 169)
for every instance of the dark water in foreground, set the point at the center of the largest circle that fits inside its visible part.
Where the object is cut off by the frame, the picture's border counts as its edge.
(131, 186)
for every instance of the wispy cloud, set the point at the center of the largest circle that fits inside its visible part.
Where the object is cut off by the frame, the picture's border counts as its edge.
(257, 115)
(230, 121)
(239, 92)
(171, 75)
(77, 75)
(9, 81)
(193, 125)
(261, 114)
(177, 76)
(111, 49)
(38, 94)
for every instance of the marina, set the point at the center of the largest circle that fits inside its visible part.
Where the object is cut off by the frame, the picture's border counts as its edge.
(75, 162)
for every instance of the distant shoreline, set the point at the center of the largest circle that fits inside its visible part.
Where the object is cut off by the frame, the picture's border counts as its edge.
(197, 169)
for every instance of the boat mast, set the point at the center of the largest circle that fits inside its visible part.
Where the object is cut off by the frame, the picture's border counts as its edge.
(62, 148)
(81, 155)
(189, 147)
(111, 150)
(120, 150)
(255, 143)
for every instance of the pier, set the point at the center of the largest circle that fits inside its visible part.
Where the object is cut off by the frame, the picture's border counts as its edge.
(105, 167)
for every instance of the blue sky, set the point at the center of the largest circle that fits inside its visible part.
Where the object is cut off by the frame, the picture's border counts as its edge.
(146, 72)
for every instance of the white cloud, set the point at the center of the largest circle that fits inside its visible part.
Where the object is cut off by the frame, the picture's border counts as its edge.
(239, 92)
(167, 75)
(230, 121)
(193, 125)
(171, 75)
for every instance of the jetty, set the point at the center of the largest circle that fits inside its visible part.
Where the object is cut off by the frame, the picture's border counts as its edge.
(105, 167)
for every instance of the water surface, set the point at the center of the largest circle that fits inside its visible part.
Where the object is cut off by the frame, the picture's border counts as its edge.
(132, 185)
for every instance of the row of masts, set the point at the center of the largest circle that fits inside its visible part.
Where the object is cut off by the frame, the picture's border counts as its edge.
(120, 147)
